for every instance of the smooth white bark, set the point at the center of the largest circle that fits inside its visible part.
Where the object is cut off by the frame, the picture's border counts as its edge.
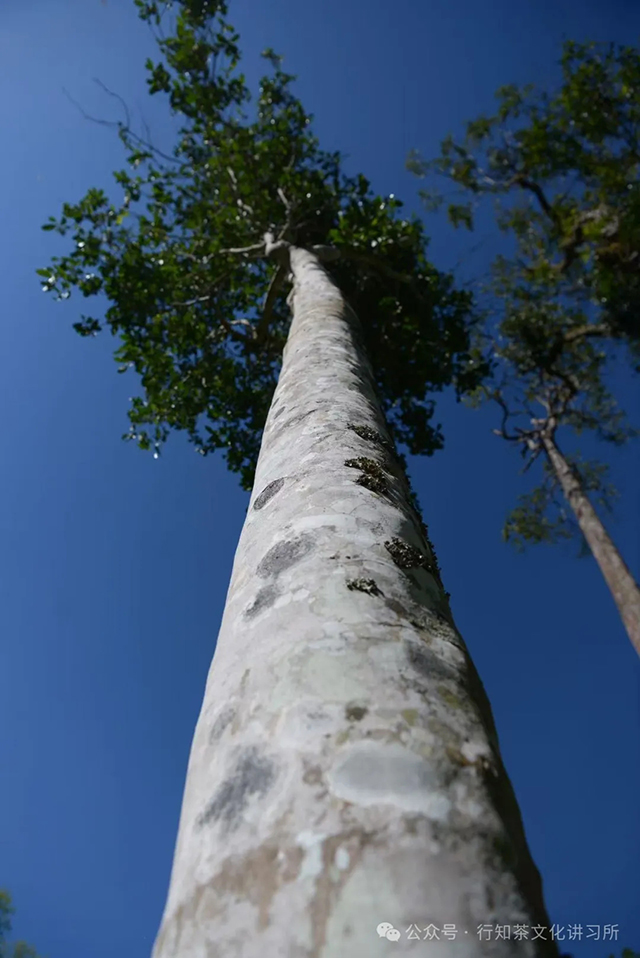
(344, 769)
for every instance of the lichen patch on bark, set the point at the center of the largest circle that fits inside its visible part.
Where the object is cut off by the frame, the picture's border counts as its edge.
(405, 555)
(373, 773)
(253, 774)
(372, 475)
(429, 665)
(264, 599)
(283, 555)
(224, 719)
(348, 848)
(355, 713)
(369, 434)
(268, 493)
(258, 876)
(363, 585)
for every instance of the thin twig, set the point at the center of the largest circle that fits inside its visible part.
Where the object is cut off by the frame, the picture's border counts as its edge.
(119, 124)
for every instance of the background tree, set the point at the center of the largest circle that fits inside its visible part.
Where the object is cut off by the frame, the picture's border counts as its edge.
(394, 756)
(16, 949)
(563, 310)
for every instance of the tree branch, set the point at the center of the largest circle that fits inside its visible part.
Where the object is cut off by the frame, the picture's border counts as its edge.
(497, 397)
(275, 285)
(118, 123)
(579, 332)
(226, 324)
(254, 248)
(538, 192)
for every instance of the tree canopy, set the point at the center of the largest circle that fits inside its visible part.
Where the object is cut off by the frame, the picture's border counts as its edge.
(198, 305)
(562, 311)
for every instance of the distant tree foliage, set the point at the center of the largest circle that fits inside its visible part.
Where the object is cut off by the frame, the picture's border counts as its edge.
(563, 170)
(16, 949)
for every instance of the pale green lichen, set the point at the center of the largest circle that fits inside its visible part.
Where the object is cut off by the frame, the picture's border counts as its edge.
(410, 716)
(449, 697)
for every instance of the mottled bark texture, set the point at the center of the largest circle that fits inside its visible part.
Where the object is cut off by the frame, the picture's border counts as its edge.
(622, 585)
(345, 768)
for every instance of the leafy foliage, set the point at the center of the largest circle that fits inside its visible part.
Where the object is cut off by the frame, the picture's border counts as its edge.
(18, 949)
(564, 309)
(199, 308)
(543, 515)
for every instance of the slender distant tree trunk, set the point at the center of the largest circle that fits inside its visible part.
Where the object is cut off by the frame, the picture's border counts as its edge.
(345, 770)
(622, 585)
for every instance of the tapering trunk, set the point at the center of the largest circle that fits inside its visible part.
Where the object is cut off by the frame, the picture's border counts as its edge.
(622, 585)
(345, 770)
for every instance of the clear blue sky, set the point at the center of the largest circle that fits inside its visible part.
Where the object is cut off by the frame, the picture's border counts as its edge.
(114, 567)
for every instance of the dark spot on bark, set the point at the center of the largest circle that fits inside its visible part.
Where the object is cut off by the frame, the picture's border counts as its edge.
(427, 663)
(253, 775)
(279, 411)
(369, 435)
(406, 556)
(223, 720)
(364, 585)
(373, 483)
(298, 418)
(504, 850)
(285, 424)
(395, 606)
(283, 555)
(268, 493)
(312, 775)
(416, 615)
(372, 476)
(265, 598)
(355, 713)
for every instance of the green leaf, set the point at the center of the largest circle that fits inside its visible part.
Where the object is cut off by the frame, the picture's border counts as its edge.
(460, 215)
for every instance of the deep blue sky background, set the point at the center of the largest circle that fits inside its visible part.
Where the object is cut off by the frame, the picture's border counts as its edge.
(114, 567)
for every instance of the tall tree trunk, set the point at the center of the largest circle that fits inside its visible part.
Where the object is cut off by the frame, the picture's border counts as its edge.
(345, 769)
(622, 585)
